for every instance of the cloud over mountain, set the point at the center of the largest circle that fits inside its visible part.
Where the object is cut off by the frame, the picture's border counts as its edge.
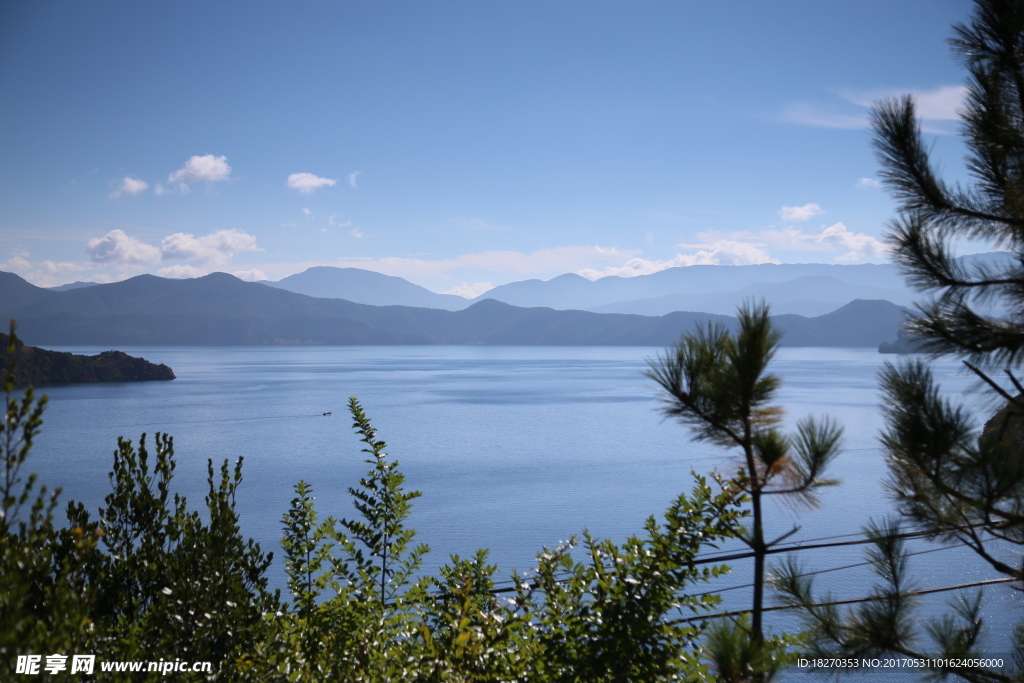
(118, 248)
(202, 253)
(213, 250)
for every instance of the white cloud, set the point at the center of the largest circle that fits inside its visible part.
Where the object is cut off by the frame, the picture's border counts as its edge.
(353, 176)
(252, 275)
(808, 115)
(476, 224)
(57, 269)
(787, 238)
(869, 182)
(470, 291)
(122, 255)
(941, 104)
(289, 225)
(556, 259)
(207, 251)
(43, 273)
(180, 271)
(19, 265)
(721, 253)
(855, 246)
(357, 233)
(938, 104)
(800, 213)
(308, 212)
(729, 253)
(340, 224)
(197, 169)
(307, 182)
(213, 250)
(634, 267)
(860, 246)
(160, 190)
(119, 249)
(129, 186)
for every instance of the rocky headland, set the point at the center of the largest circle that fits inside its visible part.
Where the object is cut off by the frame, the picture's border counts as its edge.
(38, 366)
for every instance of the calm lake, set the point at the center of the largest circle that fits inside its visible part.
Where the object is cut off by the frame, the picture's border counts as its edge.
(514, 448)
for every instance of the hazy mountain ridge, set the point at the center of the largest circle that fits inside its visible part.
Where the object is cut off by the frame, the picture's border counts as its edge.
(808, 289)
(220, 309)
(790, 288)
(810, 295)
(366, 287)
(72, 285)
(574, 291)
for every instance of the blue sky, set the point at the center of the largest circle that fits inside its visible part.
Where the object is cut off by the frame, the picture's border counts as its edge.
(456, 144)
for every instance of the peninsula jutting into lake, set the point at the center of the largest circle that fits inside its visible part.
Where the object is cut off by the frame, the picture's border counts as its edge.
(39, 366)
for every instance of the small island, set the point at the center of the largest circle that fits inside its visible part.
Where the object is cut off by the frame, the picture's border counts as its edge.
(904, 344)
(39, 366)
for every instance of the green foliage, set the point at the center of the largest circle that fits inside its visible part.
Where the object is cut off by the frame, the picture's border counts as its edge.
(355, 581)
(604, 618)
(718, 384)
(170, 584)
(148, 580)
(735, 657)
(884, 624)
(952, 485)
(364, 613)
(382, 555)
(44, 597)
(305, 557)
(945, 477)
(466, 632)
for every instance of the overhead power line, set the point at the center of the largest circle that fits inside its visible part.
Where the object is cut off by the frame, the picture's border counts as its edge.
(789, 547)
(850, 601)
(834, 569)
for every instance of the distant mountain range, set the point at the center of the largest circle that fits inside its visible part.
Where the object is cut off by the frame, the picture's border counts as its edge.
(692, 287)
(72, 285)
(810, 295)
(366, 287)
(220, 309)
(808, 289)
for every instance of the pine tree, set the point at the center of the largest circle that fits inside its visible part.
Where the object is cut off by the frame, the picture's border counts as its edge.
(949, 480)
(718, 383)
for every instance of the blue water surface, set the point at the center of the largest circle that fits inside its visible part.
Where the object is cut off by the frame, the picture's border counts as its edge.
(513, 448)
